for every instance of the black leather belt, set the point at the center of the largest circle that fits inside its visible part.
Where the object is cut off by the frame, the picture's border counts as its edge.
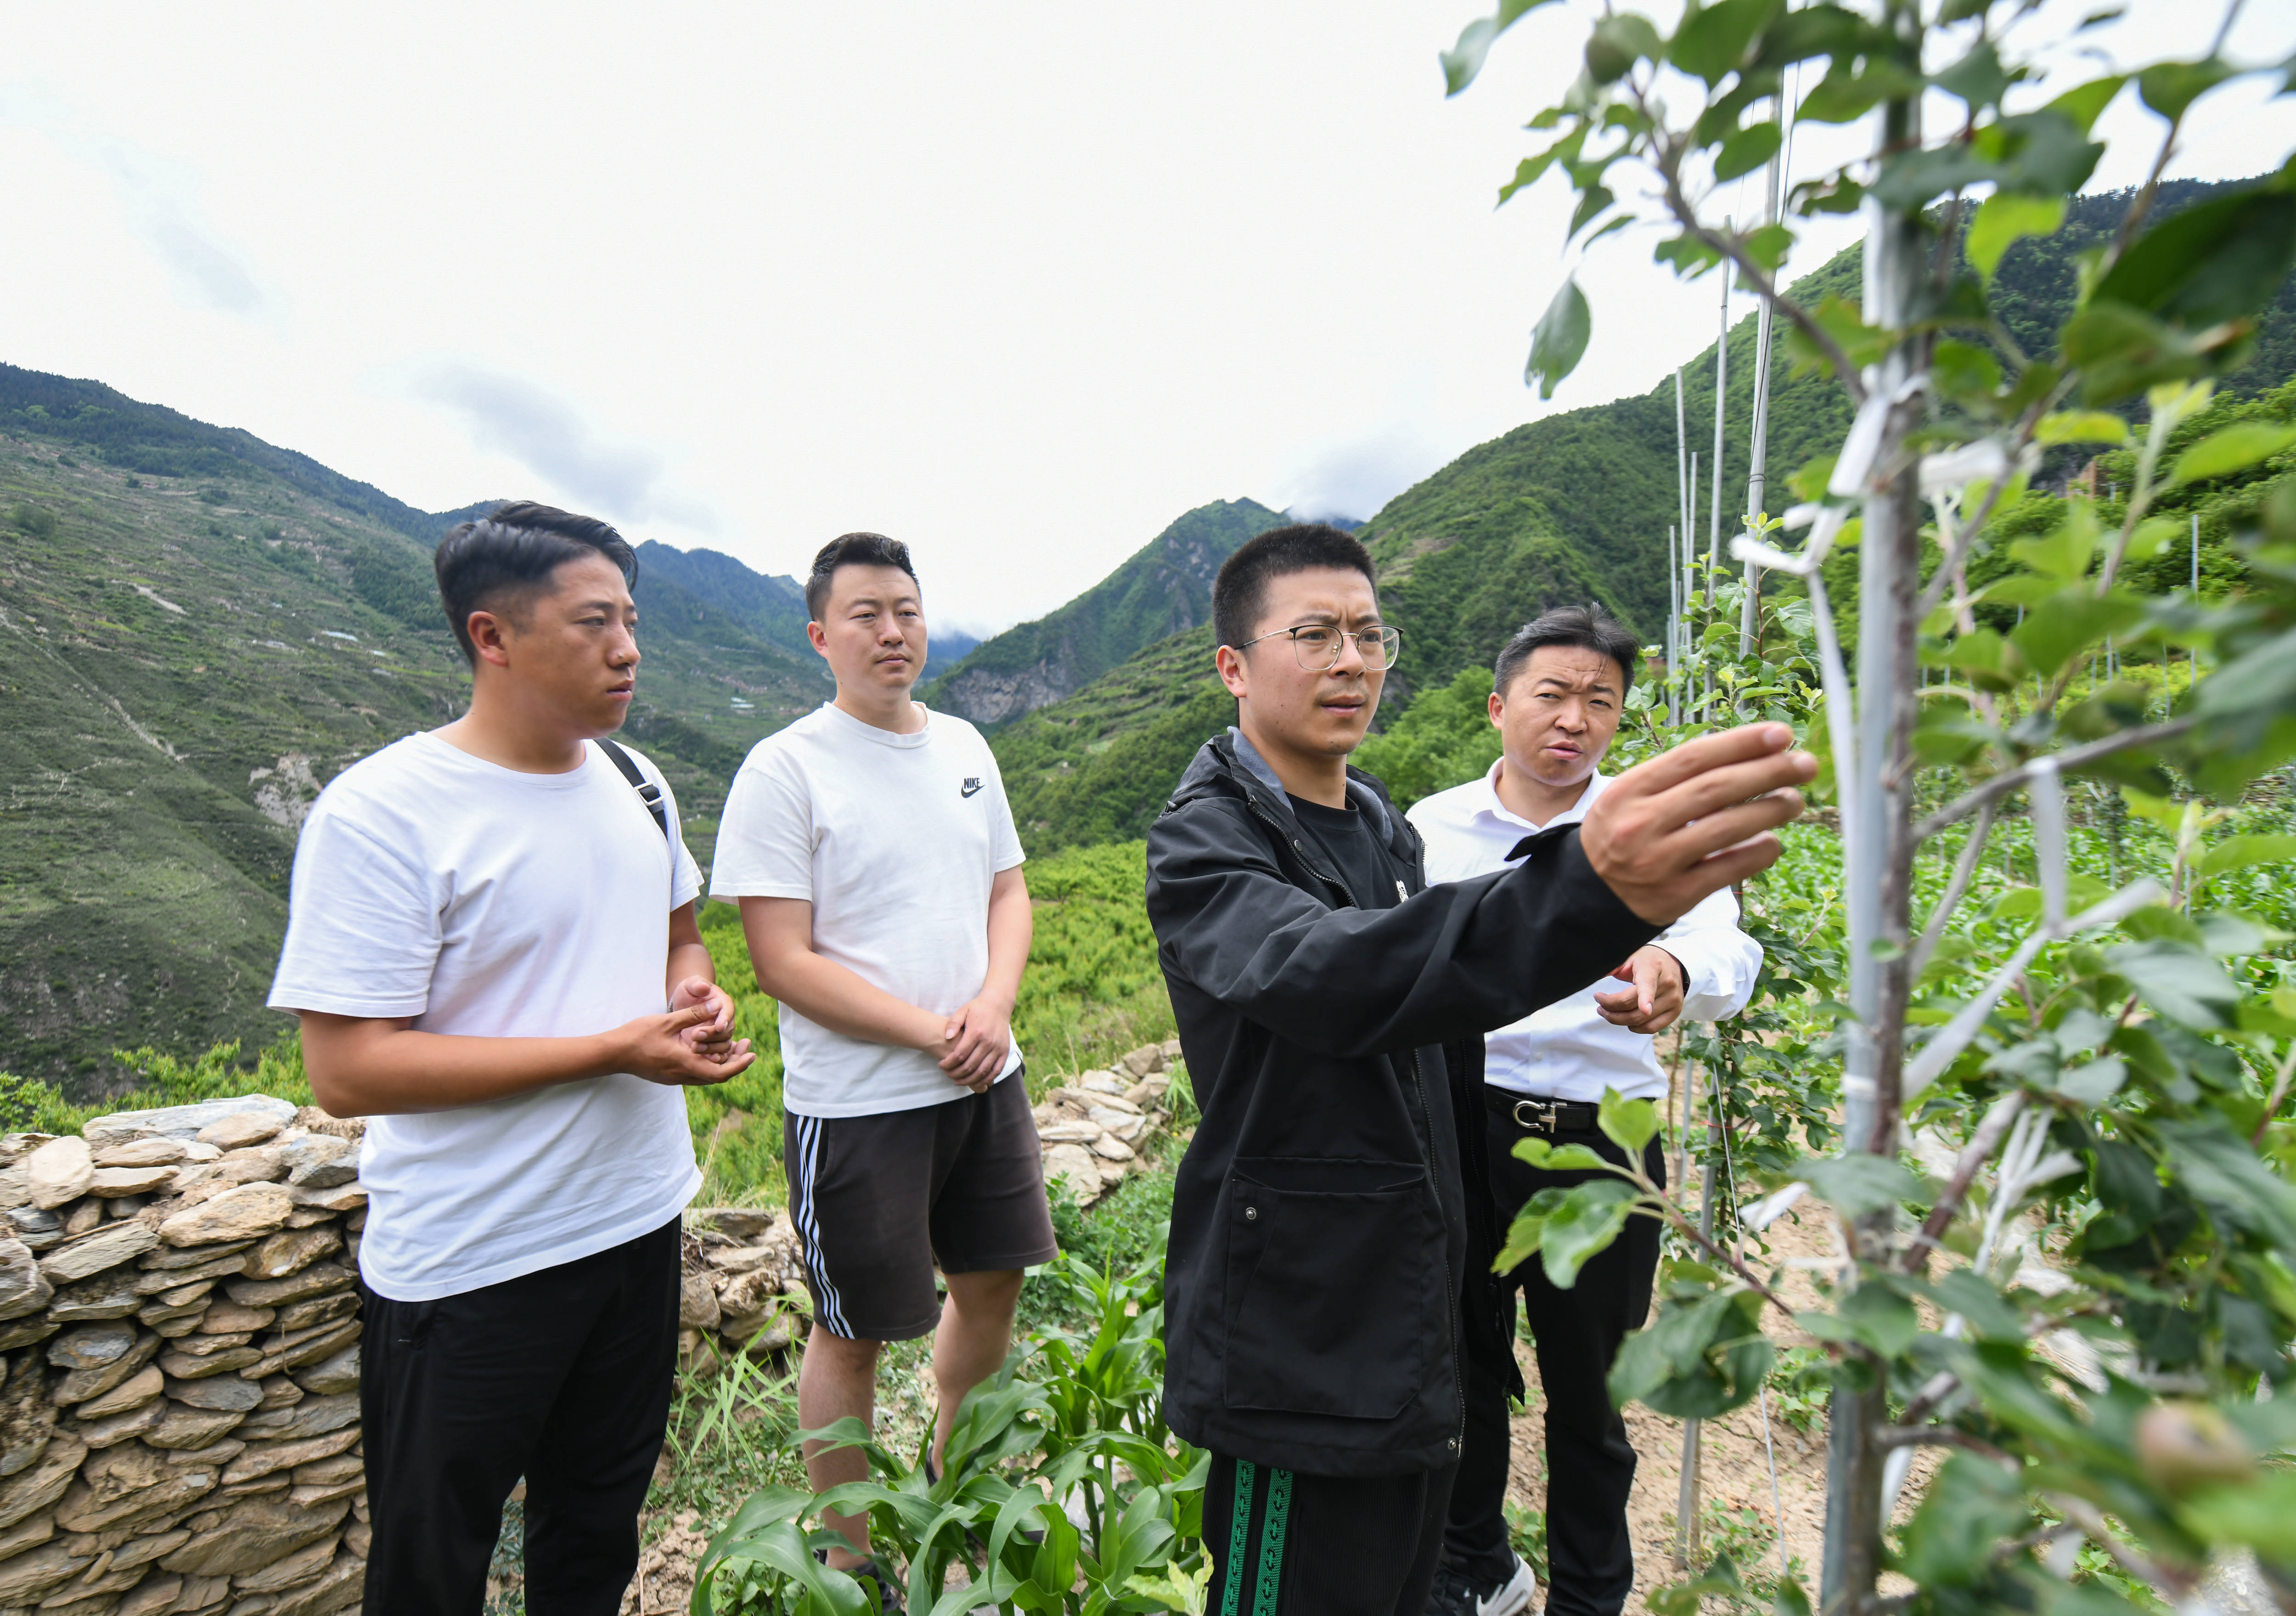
(1547, 1117)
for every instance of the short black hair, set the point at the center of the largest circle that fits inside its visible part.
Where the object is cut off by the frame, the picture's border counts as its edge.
(852, 550)
(1241, 591)
(1588, 626)
(514, 549)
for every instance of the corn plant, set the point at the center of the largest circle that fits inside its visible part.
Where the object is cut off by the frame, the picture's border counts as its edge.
(1062, 1490)
(2088, 1307)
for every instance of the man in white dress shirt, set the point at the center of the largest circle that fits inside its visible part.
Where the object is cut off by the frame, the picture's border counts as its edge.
(1559, 689)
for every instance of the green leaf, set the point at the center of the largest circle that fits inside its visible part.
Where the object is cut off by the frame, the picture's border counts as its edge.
(2066, 553)
(2220, 1168)
(2006, 218)
(1964, 1292)
(1465, 59)
(2085, 103)
(1584, 1224)
(1560, 340)
(1769, 245)
(1617, 42)
(1712, 44)
(2219, 260)
(2235, 448)
(1977, 79)
(1747, 151)
(1629, 1124)
(2168, 87)
(1558, 1158)
(1971, 1509)
(1858, 1184)
(2178, 981)
(2260, 1511)
(2121, 350)
(2239, 852)
(2069, 623)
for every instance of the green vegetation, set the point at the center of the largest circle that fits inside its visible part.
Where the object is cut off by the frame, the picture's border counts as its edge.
(1161, 590)
(1444, 739)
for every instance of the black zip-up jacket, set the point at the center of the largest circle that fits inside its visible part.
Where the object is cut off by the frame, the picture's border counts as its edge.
(1325, 1273)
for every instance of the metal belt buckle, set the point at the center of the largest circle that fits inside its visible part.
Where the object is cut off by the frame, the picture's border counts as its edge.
(1541, 1121)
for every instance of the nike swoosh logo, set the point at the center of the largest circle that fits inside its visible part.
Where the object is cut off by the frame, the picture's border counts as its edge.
(969, 788)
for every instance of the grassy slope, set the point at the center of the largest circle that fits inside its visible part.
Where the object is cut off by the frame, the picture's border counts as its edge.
(1161, 590)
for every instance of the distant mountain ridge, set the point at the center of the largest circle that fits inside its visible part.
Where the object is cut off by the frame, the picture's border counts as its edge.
(1161, 590)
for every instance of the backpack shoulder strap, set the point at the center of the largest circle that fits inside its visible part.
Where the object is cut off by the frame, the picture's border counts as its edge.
(648, 791)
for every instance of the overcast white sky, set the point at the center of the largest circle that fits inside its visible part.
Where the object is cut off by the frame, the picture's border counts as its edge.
(1018, 281)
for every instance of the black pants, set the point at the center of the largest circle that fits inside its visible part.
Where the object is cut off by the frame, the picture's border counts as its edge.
(561, 1376)
(1287, 1545)
(1590, 1465)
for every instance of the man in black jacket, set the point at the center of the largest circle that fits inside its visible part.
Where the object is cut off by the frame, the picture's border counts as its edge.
(1326, 1274)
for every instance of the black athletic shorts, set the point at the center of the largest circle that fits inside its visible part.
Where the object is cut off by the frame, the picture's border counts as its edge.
(879, 1200)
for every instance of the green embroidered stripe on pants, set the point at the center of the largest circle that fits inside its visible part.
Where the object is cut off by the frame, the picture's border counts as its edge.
(1269, 1579)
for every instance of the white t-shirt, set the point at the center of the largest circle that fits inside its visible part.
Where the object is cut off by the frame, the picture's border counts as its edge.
(488, 902)
(895, 841)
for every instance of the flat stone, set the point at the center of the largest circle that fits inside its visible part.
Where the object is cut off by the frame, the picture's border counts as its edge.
(172, 1491)
(343, 1586)
(321, 1344)
(326, 1473)
(106, 1296)
(169, 1257)
(315, 1280)
(335, 1198)
(222, 1393)
(59, 1172)
(192, 1427)
(107, 1248)
(181, 1322)
(114, 1474)
(27, 1420)
(321, 1161)
(281, 1392)
(91, 1346)
(301, 1566)
(316, 1417)
(83, 1217)
(192, 1366)
(1075, 1164)
(742, 1222)
(15, 1188)
(30, 1534)
(118, 1427)
(82, 1385)
(183, 1121)
(24, 1332)
(23, 1287)
(241, 1129)
(44, 1483)
(204, 1344)
(114, 1183)
(263, 1458)
(27, 1577)
(255, 1164)
(36, 1227)
(243, 1211)
(154, 1596)
(218, 1453)
(143, 1551)
(291, 1252)
(302, 1495)
(1080, 1130)
(331, 1375)
(254, 1535)
(142, 1152)
(319, 1310)
(697, 1302)
(1141, 1062)
(228, 1317)
(138, 1389)
(1113, 1149)
(183, 1296)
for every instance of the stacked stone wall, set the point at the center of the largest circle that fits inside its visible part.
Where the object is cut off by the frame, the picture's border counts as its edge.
(179, 1364)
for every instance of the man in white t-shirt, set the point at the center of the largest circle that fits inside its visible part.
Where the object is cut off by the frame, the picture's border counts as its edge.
(871, 850)
(1559, 689)
(491, 943)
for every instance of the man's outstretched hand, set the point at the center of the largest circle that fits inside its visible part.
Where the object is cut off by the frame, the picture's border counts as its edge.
(1692, 821)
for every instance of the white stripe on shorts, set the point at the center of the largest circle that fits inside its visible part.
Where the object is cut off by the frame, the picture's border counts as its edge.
(809, 1227)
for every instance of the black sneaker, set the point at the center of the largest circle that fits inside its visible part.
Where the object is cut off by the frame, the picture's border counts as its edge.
(1456, 1594)
(888, 1585)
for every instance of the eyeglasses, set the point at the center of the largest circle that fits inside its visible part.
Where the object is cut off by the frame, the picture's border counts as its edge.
(1318, 646)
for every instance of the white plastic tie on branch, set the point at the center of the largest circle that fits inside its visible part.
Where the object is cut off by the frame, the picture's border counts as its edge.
(1942, 1049)
(1829, 519)
(1954, 469)
(1772, 1207)
(1864, 443)
(2046, 789)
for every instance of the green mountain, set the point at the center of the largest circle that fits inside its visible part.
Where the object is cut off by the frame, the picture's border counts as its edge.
(203, 629)
(1161, 590)
(1566, 509)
